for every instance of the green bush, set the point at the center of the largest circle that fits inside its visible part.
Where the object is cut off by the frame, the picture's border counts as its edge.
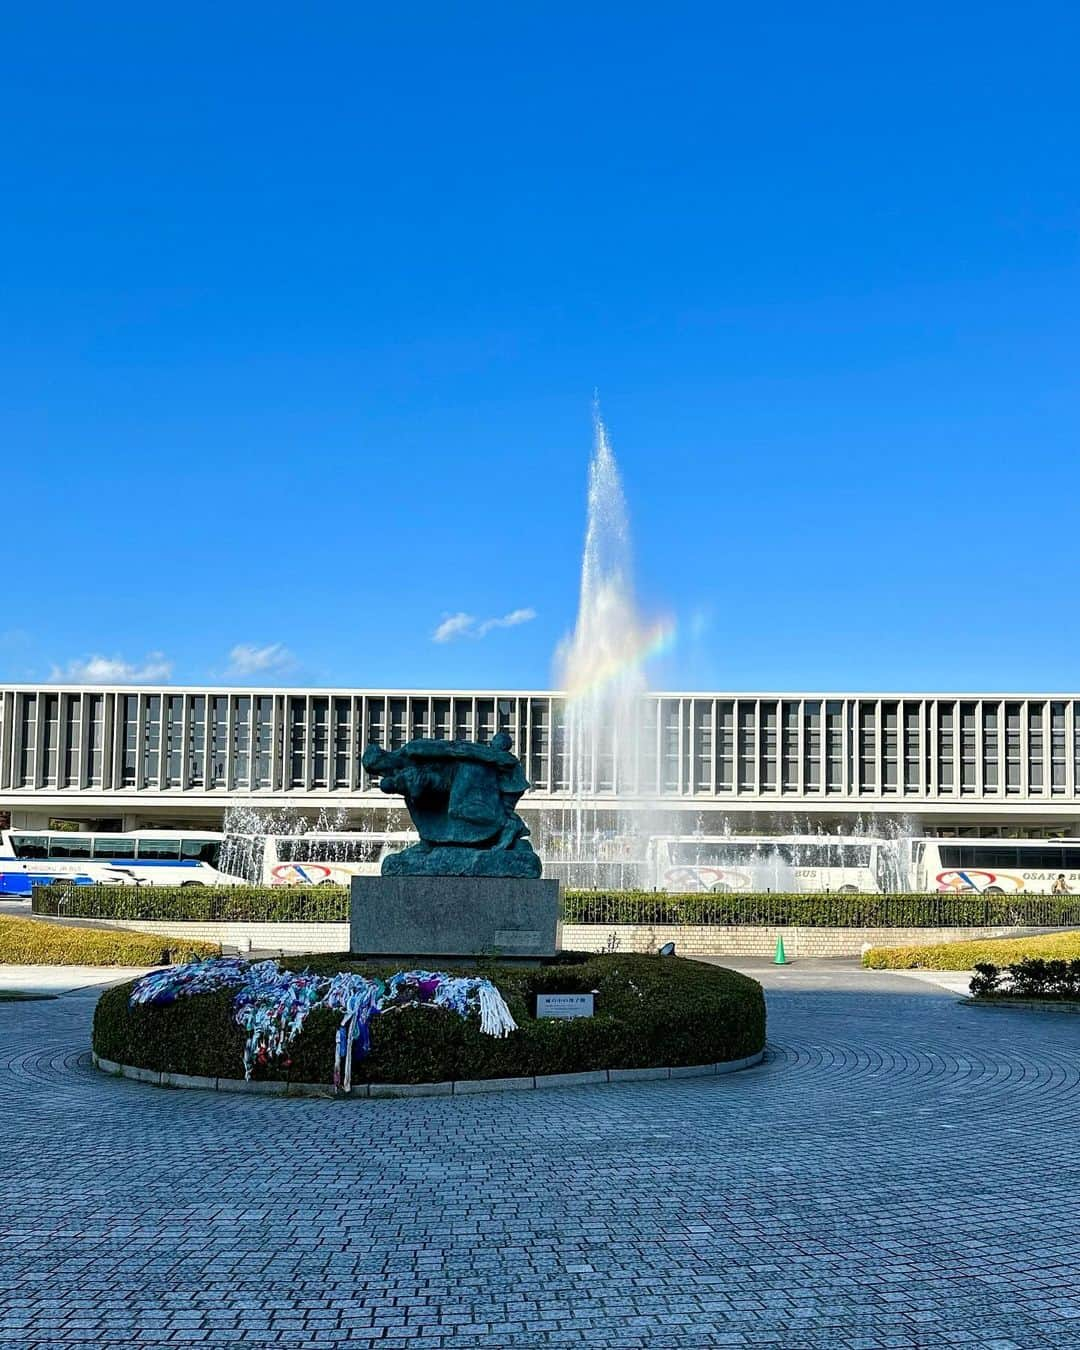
(650, 1011)
(330, 904)
(967, 955)
(27, 942)
(199, 904)
(1031, 978)
(831, 910)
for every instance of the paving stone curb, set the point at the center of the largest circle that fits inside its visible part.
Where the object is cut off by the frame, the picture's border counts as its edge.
(459, 1087)
(1004, 1004)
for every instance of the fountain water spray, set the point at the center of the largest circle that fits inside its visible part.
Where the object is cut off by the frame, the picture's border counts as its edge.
(600, 839)
(247, 829)
(600, 666)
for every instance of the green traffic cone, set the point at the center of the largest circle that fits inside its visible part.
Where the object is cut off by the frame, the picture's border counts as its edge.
(780, 959)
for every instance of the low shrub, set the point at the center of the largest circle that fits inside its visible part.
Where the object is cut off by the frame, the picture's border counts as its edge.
(30, 942)
(650, 1011)
(1032, 978)
(330, 904)
(833, 909)
(198, 904)
(968, 955)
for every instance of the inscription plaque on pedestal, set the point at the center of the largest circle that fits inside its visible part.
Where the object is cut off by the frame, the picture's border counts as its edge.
(564, 1005)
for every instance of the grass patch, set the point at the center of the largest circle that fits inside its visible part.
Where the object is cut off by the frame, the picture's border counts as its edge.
(650, 1011)
(967, 955)
(28, 942)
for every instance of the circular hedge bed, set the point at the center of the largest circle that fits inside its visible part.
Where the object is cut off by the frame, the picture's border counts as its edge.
(650, 1012)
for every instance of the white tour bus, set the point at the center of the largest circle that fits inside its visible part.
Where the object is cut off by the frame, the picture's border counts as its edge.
(997, 866)
(782, 863)
(320, 859)
(137, 858)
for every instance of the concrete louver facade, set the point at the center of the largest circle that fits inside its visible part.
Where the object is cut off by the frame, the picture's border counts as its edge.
(180, 755)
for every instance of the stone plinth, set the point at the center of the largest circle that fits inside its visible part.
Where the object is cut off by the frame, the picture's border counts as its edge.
(454, 916)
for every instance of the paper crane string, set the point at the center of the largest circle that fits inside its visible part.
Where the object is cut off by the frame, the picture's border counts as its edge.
(272, 1004)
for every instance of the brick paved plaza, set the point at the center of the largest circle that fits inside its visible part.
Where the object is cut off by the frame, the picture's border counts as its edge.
(901, 1172)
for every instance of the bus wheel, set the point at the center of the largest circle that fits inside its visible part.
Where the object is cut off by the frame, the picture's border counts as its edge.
(326, 881)
(993, 890)
(847, 890)
(190, 883)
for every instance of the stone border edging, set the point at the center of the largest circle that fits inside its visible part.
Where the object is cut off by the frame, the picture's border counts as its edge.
(459, 1087)
(1005, 1004)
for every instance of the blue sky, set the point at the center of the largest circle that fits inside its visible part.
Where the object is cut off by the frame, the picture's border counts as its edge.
(303, 311)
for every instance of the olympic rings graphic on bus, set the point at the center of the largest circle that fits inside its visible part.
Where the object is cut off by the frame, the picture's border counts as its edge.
(972, 879)
(299, 874)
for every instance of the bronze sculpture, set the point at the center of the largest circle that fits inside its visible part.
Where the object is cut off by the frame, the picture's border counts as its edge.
(461, 796)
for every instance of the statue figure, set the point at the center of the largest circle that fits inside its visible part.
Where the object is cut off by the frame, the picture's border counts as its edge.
(461, 796)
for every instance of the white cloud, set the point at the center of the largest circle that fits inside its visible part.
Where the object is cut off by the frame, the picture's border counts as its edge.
(453, 626)
(510, 620)
(113, 670)
(247, 659)
(465, 625)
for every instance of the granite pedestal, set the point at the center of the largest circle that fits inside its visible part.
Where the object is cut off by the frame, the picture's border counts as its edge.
(507, 917)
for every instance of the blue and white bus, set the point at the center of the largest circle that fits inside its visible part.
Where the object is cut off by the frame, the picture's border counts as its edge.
(31, 858)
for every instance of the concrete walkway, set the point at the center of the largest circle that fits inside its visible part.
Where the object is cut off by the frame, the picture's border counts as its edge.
(899, 1173)
(842, 974)
(63, 979)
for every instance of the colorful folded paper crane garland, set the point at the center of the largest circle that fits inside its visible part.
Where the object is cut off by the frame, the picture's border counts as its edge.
(272, 1004)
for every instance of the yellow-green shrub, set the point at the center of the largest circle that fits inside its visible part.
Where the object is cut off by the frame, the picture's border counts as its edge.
(28, 942)
(967, 955)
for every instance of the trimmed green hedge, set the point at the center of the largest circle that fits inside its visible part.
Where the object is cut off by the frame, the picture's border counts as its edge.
(26, 942)
(198, 904)
(1058, 981)
(831, 910)
(330, 904)
(650, 1011)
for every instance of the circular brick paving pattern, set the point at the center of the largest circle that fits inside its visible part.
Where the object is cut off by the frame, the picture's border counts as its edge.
(901, 1171)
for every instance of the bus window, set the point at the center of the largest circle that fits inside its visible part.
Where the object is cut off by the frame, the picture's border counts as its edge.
(202, 850)
(1045, 859)
(30, 845)
(114, 847)
(312, 848)
(70, 846)
(164, 849)
(997, 856)
(814, 855)
(855, 855)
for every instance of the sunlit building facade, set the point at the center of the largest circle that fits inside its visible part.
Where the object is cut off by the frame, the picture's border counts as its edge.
(953, 763)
